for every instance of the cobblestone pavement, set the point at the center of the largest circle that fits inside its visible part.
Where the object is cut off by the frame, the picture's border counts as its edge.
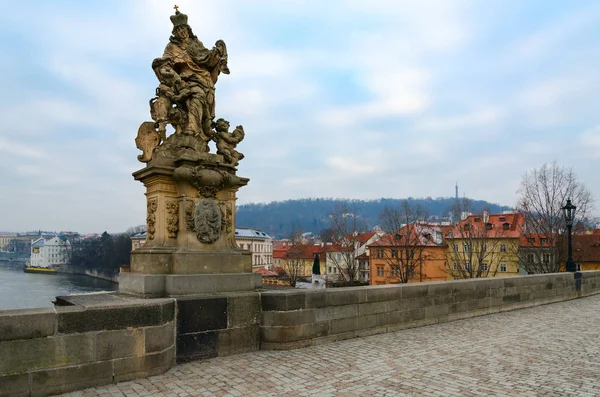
(551, 350)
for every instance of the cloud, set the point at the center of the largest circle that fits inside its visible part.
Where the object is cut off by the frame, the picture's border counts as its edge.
(343, 99)
(12, 148)
(589, 143)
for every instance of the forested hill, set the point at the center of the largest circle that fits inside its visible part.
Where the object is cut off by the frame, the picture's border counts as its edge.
(279, 218)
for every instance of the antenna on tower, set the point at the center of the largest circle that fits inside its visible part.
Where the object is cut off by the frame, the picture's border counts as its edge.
(456, 190)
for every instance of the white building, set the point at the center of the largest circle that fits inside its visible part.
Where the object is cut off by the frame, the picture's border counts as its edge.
(257, 242)
(49, 251)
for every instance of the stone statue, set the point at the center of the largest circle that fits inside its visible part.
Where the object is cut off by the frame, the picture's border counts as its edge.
(185, 97)
(199, 68)
(190, 192)
(226, 142)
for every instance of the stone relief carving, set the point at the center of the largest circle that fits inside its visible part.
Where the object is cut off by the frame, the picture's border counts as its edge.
(151, 218)
(208, 179)
(207, 220)
(172, 207)
(147, 140)
(227, 221)
(189, 215)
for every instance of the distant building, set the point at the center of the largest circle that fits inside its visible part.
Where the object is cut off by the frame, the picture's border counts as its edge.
(5, 241)
(50, 251)
(485, 245)
(258, 243)
(586, 251)
(138, 240)
(415, 253)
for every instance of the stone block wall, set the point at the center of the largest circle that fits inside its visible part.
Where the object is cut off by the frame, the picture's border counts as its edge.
(104, 338)
(217, 325)
(298, 318)
(55, 350)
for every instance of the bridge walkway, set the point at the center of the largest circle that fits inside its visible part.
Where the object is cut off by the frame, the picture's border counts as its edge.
(551, 350)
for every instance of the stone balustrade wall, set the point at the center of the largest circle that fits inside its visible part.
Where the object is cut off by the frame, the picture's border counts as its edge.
(298, 318)
(105, 338)
(55, 350)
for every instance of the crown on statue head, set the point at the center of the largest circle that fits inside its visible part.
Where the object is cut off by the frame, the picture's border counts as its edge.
(179, 19)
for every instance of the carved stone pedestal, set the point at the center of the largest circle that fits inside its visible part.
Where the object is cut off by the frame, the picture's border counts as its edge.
(190, 247)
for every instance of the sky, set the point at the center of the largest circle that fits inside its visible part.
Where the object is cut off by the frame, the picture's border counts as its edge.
(338, 98)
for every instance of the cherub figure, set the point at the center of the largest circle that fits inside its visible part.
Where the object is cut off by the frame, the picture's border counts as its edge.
(226, 141)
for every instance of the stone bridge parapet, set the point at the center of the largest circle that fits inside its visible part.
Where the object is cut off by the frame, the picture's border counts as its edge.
(90, 340)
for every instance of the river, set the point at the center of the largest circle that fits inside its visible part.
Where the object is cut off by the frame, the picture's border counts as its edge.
(20, 290)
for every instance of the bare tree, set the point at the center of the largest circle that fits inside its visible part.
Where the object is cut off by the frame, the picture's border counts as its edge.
(405, 240)
(477, 245)
(542, 194)
(345, 225)
(132, 231)
(294, 258)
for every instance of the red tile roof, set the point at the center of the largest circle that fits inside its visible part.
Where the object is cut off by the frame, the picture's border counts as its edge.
(586, 247)
(475, 227)
(279, 252)
(419, 234)
(305, 251)
(267, 273)
(535, 240)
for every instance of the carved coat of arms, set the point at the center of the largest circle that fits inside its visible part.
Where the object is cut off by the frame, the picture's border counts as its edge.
(207, 220)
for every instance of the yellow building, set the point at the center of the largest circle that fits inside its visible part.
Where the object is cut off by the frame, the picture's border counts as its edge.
(484, 245)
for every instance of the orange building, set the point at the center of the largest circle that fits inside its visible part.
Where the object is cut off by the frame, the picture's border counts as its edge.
(415, 253)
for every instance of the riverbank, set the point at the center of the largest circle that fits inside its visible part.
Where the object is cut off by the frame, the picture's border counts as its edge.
(95, 273)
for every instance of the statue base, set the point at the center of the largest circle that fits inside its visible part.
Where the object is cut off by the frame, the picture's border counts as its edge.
(175, 285)
(190, 246)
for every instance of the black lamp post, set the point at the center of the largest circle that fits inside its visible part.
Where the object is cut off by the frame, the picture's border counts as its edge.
(569, 211)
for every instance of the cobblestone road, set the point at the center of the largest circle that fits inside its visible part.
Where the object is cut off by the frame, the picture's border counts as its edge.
(551, 350)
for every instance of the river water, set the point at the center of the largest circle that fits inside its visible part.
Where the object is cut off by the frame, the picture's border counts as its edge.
(20, 290)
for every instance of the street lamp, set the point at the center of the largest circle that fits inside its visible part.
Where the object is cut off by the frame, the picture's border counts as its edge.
(569, 212)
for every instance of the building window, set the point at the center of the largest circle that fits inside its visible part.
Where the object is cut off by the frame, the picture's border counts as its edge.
(544, 241)
(503, 267)
(455, 247)
(505, 226)
(394, 253)
(379, 253)
(483, 247)
(502, 247)
(380, 270)
(466, 247)
(484, 267)
(530, 240)
(546, 259)
(329, 270)
(467, 266)
(488, 226)
(529, 258)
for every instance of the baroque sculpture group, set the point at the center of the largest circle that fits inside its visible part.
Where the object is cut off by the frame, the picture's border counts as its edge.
(190, 192)
(185, 97)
